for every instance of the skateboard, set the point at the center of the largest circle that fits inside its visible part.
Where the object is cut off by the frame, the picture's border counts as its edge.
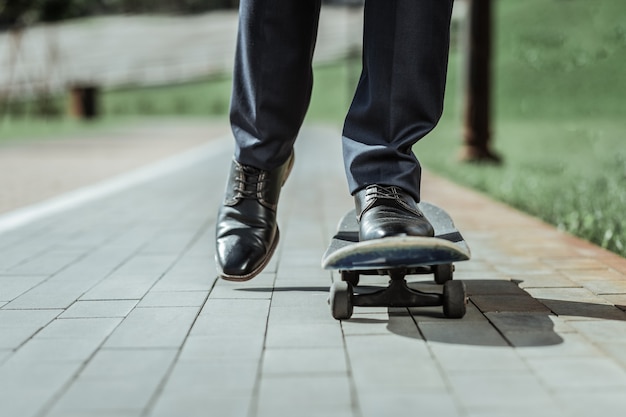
(397, 257)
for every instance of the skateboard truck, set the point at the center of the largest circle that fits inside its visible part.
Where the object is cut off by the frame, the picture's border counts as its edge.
(397, 294)
(397, 257)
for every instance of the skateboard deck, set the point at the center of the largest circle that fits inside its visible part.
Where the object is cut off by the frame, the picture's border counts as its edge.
(397, 257)
(347, 253)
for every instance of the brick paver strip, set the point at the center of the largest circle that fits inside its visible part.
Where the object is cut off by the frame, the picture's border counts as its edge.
(113, 308)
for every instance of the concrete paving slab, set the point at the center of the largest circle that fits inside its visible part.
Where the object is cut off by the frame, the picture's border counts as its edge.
(13, 286)
(313, 395)
(430, 402)
(544, 281)
(307, 361)
(606, 287)
(571, 345)
(366, 324)
(99, 308)
(17, 326)
(580, 372)
(80, 328)
(174, 299)
(27, 390)
(122, 363)
(60, 412)
(435, 314)
(477, 359)
(48, 263)
(85, 396)
(146, 328)
(602, 331)
(505, 302)
(51, 294)
(129, 287)
(591, 401)
(302, 317)
(503, 390)
(319, 335)
(38, 350)
(220, 348)
(466, 333)
(4, 355)
(618, 300)
(195, 400)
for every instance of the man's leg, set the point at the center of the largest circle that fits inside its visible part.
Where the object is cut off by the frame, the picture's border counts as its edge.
(271, 92)
(272, 78)
(399, 100)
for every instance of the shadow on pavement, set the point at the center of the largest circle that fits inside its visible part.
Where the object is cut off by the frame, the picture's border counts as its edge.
(287, 289)
(499, 313)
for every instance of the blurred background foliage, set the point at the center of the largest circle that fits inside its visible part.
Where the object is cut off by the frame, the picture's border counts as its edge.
(23, 12)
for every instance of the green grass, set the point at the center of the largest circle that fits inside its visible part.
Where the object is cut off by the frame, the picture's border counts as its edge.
(28, 128)
(205, 98)
(560, 58)
(570, 174)
(208, 97)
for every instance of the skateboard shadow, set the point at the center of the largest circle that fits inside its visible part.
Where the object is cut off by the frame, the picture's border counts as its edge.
(499, 313)
(294, 288)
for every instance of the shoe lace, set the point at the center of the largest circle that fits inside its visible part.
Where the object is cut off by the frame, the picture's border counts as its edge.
(249, 182)
(378, 192)
(382, 192)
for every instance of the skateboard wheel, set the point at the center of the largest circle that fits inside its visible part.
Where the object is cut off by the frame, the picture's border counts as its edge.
(350, 276)
(454, 299)
(443, 273)
(341, 300)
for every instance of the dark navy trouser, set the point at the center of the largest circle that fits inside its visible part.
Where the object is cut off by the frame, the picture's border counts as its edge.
(399, 98)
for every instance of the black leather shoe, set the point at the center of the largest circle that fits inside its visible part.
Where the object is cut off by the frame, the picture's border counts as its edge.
(246, 230)
(389, 211)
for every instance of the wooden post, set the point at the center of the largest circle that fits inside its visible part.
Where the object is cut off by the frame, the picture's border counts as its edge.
(477, 103)
(84, 102)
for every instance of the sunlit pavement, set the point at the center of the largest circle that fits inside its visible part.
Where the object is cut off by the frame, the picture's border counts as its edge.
(37, 169)
(110, 306)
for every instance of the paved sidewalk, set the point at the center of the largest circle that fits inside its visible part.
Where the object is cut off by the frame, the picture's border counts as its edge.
(50, 167)
(112, 308)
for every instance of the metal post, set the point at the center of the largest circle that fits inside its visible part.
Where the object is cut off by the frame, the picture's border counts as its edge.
(477, 111)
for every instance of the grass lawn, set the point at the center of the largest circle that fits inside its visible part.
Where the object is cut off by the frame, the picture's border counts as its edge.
(20, 129)
(203, 98)
(558, 116)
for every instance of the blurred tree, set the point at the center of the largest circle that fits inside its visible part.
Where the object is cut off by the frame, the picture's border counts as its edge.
(14, 12)
(477, 118)
(55, 10)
